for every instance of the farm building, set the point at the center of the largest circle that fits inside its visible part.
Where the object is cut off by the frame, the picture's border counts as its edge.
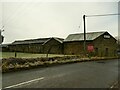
(4, 47)
(42, 45)
(97, 43)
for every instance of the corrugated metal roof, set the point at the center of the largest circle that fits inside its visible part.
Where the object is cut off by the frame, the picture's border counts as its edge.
(80, 36)
(40, 40)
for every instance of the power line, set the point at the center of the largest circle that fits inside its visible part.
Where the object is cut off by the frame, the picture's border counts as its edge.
(85, 26)
(101, 15)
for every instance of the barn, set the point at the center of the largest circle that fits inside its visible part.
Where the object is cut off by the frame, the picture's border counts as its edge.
(97, 43)
(4, 47)
(51, 45)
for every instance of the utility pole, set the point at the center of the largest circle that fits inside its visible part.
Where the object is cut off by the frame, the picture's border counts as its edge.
(84, 36)
(85, 26)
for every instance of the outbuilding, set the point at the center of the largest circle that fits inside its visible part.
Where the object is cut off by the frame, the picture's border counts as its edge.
(51, 45)
(97, 44)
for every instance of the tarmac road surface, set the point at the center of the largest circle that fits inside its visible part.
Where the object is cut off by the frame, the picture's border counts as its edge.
(95, 74)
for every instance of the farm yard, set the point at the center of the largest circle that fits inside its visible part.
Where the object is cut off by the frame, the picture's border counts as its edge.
(50, 45)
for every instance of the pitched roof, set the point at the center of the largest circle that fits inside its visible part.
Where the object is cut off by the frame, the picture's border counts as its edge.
(57, 39)
(80, 36)
(39, 40)
(4, 45)
(30, 41)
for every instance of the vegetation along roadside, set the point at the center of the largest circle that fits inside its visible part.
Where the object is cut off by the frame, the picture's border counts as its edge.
(16, 64)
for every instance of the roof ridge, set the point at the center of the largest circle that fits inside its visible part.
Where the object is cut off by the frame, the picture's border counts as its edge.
(89, 32)
(37, 39)
(80, 36)
(40, 40)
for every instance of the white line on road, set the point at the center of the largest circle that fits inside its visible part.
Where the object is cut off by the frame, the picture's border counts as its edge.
(25, 82)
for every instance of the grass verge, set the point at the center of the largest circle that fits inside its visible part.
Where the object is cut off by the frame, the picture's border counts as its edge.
(16, 64)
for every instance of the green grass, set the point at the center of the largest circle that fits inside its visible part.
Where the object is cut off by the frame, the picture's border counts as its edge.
(27, 55)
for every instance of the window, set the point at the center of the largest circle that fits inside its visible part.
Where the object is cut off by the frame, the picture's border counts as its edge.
(106, 36)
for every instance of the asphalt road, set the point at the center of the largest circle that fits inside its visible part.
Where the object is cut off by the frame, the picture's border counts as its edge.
(95, 74)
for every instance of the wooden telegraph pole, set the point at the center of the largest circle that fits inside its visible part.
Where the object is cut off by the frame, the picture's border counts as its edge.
(84, 36)
(85, 26)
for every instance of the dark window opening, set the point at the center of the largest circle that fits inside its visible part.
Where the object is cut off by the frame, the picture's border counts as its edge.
(96, 51)
(106, 52)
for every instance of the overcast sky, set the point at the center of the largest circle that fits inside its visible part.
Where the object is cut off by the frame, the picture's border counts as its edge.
(31, 20)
